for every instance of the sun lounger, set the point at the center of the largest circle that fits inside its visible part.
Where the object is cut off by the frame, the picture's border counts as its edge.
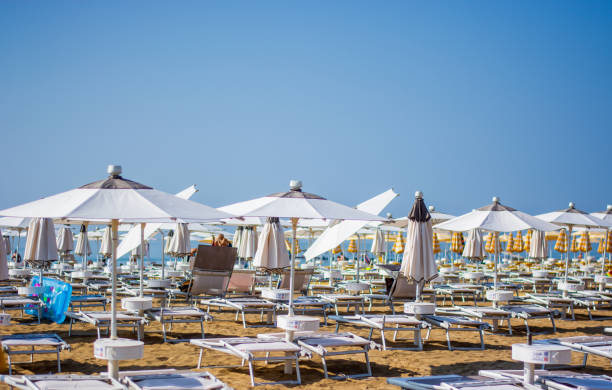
(401, 290)
(20, 303)
(456, 382)
(62, 382)
(249, 349)
(595, 345)
(85, 301)
(244, 306)
(49, 342)
(102, 319)
(326, 344)
(531, 312)
(395, 323)
(301, 280)
(592, 300)
(559, 380)
(178, 315)
(455, 323)
(348, 300)
(455, 291)
(309, 305)
(485, 313)
(553, 301)
(146, 380)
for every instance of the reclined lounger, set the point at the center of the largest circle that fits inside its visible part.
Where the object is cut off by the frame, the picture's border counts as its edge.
(596, 345)
(481, 313)
(49, 342)
(457, 324)
(136, 380)
(554, 301)
(394, 322)
(178, 315)
(246, 349)
(102, 319)
(244, 306)
(531, 312)
(326, 344)
(455, 382)
(63, 382)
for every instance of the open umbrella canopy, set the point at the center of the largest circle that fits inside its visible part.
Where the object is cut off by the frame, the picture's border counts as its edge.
(496, 217)
(571, 216)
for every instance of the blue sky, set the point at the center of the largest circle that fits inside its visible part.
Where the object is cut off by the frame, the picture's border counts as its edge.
(463, 100)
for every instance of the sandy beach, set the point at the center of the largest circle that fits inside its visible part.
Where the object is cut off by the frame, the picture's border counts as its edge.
(435, 359)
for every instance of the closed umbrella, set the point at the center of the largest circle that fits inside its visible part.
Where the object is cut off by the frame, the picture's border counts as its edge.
(510, 243)
(473, 245)
(575, 247)
(248, 243)
(538, 245)
(398, 246)
(41, 247)
(488, 242)
(518, 243)
(527, 243)
(237, 238)
(456, 245)
(65, 241)
(601, 245)
(585, 242)
(561, 244)
(352, 247)
(7, 245)
(378, 243)
(418, 263)
(180, 245)
(337, 250)
(606, 215)
(109, 201)
(82, 247)
(436, 243)
(3, 260)
(272, 253)
(106, 245)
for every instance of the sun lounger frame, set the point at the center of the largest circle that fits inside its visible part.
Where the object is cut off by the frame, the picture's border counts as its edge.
(184, 318)
(85, 316)
(59, 346)
(244, 306)
(457, 324)
(131, 379)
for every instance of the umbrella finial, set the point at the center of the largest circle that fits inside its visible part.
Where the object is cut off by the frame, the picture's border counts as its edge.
(114, 170)
(389, 215)
(571, 205)
(495, 199)
(432, 208)
(609, 208)
(418, 195)
(295, 185)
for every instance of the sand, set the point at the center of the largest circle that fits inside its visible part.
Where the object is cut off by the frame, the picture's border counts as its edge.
(435, 359)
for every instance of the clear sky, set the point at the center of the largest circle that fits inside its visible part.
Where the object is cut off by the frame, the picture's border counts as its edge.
(463, 100)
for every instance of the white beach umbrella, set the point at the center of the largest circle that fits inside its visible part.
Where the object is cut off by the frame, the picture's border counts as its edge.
(7, 244)
(65, 240)
(339, 232)
(538, 247)
(572, 217)
(378, 243)
(418, 263)
(248, 243)
(3, 260)
(606, 215)
(137, 253)
(271, 251)
(296, 204)
(106, 245)
(180, 244)
(116, 199)
(473, 245)
(436, 217)
(41, 248)
(82, 247)
(237, 238)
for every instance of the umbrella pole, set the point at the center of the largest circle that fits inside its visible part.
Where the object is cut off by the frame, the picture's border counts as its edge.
(142, 256)
(288, 369)
(569, 249)
(358, 255)
(163, 258)
(603, 260)
(113, 365)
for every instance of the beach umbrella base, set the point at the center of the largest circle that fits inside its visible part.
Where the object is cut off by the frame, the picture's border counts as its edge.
(570, 287)
(419, 309)
(137, 303)
(297, 323)
(542, 354)
(116, 350)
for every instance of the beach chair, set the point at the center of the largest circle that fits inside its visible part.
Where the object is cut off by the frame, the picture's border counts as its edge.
(211, 271)
(178, 315)
(171, 379)
(553, 301)
(457, 323)
(531, 312)
(483, 313)
(242, 282)
(244, 306)
(395, 323)
(347, 300)
(249, 349)
(308, 305)
(588, 345)
(453, 291)
(21, 304)
(326, 344)
(557, 379)
(102, 319)
(401, 290)
(62, 382)
(87, 301)
(27, 344)
(457, 382)
(592, 300)
(301, 281)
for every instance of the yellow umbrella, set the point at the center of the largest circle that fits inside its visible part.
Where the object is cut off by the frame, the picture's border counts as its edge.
(561, 245)
(575, 247)
(488, 242)
(518, 243)
(398, 247)
(527, 244)
(510, 243)
(601, 245)
(456, 244)
(337, 250)
(585, 242)
(609, 244)
(495, 246)
(436, 243)
(352, 248)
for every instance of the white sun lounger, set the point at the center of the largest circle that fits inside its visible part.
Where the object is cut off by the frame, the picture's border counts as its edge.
(531, 312)
(484, 313)
(457, 382)
(553, 301)
(382, 322)
(178, 315)
(146, 380)
(326, 344)
(457, 291)
(559, 380)
(244, 306)
(596, 345)
(102, 319)
(49, 342)
(455, 323)
(85, 301)
(348, 300)
(248, 349)
(309, 306)
(20, 303)
(63, 382)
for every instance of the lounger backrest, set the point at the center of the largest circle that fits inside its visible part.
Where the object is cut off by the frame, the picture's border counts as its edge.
(403, 288)
(214, 258)
(242, 281)
(301, 280)
(213, 283)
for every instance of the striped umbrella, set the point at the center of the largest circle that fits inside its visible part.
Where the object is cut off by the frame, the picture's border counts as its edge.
(510, 243)
(398, 247)
(585, 242)
(337, 250)
(352, 248)
(488, 242)
(436, 243)
(575, 247)
(561, 245)
(527, 244)
(601, 245)
(456, 244)
(495, 246)
(609, 244)
(518, 243)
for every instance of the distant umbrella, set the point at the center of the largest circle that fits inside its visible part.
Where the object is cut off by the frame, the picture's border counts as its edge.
(575, 247)
(456, 243)
(106, 246)
(436, 243)
(272, 253)
(65, 240)
(473, 245)
(518, 243)
(180, 244)
(527, 244)
(561, 245)
(237, 238)
(41, 247)
(601, 246)
(510, 243)
(352, 248)
(337, 250)
(585, 242)
(7, 245)
(3, 260)
(539, 245)
(378, 243)
(398, 246)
